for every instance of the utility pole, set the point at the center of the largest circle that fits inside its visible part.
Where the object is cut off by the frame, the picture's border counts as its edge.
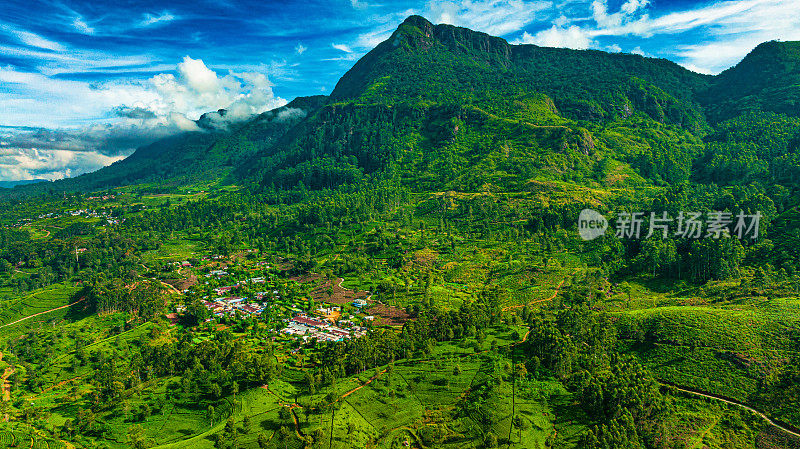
(513, 395)
(333, 412)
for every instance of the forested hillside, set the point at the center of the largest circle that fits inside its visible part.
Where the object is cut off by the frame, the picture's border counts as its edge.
(398, 264)
(190, 157)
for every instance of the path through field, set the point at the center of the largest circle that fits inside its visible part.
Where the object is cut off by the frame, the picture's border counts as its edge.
(549, 298)
(60, 384)
(377, 375)
(737, 404)
(42, 313)
(4, 385)
(168, 286)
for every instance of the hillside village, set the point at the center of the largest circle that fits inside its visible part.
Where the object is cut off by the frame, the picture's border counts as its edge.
(306, 318)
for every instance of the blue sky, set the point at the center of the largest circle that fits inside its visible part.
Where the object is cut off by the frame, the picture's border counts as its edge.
(82, 83)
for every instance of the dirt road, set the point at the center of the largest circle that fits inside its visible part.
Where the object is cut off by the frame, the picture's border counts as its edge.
(737, 404)
(42, 313)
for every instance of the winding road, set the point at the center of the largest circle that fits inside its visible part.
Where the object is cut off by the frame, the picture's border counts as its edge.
(549, 298)
(736, 404)
(42, 313)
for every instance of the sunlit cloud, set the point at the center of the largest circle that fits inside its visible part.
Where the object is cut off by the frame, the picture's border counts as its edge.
(149, 20)
(342, 47)
(133, 114)
(81, 26)
(31, 39)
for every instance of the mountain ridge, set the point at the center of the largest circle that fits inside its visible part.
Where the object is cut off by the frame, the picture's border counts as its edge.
(425, 66)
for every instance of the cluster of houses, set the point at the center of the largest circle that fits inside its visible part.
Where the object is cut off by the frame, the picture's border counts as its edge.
(233, 305)
(103, 197)
(225, 304)
(230, 301)
(74, 213)
(307, 327)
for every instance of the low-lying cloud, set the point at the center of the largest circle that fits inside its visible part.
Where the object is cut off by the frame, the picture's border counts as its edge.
(135, 114)
(29, 163)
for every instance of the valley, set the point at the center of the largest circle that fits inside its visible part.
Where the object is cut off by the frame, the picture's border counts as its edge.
(398, 264)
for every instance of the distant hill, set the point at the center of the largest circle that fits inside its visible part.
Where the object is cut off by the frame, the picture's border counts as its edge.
(447, 107)
(443, 107)
(426, 62)
(189, 156)
(767, 79)
(22, 182)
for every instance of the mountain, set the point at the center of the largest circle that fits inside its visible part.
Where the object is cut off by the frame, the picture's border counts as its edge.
(451, 108)
(445, 107)
(426, 62)
(190, 156)
(767, 79)
(22, 182)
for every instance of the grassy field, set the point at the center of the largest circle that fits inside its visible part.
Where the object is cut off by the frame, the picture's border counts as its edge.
(724, 350)
(173, 251)
(57, 295)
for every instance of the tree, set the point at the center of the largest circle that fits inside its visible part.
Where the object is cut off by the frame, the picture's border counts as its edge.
(310, 384)
(135, 437)
(263, 440)
(626, 288)
(210, 414)
(490, 440)
(284, 414)
(520, 370)
(247, 425)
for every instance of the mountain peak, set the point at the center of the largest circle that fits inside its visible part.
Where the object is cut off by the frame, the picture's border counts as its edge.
(417, 40)
(765, 80)
(417, 33)
(417, 21)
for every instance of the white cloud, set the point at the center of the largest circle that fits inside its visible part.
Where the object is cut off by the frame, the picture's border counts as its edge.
(74, 60)
(32, 163)
(125, 114)
(372, 38)
(638, 51)
(81, 26)
(159, 19)
(198, 89)
(627, 13)
(32, 39)
(728, 29)
(496, 17)
(342, 47)
(631, 6)
(613, 48)
(696, 69)
(561, 21)
(300, 49)
(290, 114)
(572, 37)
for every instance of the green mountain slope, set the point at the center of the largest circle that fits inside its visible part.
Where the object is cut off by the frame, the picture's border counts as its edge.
(191, 156)
(442, 181)
(443, 63)
(766, 80)
(450, 108)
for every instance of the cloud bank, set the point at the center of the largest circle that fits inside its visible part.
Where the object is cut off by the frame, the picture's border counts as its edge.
(132, 114)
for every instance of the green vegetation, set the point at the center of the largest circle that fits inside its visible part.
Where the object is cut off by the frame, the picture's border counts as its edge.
(439, 185)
